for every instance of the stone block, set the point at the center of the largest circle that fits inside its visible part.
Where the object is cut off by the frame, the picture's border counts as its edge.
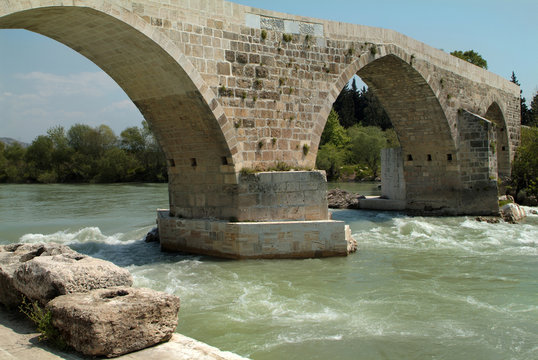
(45, 277)
(12, 256)
(114, 321)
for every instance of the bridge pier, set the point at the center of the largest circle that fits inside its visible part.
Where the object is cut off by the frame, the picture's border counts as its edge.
(266, 215)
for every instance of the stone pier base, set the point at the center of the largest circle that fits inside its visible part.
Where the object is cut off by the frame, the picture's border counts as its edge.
(255, 240)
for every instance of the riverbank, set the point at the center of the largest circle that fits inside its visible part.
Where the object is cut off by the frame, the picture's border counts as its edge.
(19, 340)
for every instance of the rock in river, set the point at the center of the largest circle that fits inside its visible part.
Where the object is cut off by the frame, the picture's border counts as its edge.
(342, 199)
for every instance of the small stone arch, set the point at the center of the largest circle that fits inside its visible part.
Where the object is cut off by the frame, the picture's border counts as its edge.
(494, 113)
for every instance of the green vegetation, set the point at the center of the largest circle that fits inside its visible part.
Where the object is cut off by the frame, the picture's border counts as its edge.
(356, 130)
(355, 151)
(43, 322)
(85, 154)
(471, 56)
(287, 37)
(529, 117)
(524, 179)
(264, 34)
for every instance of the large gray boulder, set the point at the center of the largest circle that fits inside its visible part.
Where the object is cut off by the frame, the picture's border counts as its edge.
(12, 256)
(45, 277)
(115, 321)
(513, 213)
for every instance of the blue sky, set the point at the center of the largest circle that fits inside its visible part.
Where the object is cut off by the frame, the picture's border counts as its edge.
(44, 83)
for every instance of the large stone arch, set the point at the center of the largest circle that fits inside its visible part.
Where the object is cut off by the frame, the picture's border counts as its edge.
(181, 109)
(429, 153)
(502, 147)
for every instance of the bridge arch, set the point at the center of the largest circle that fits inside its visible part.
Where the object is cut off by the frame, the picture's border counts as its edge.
(181, 109)
(502, 148)
(429, 153)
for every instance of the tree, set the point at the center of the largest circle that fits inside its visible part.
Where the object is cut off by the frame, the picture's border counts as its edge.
(115, 165)
(345, 107)
(534, 111)
(472, 57)
(366, 145)
(61, 153)
(525, 114)
(15, 168)
(525, 165)
(373, 113)
(331, 159)
(334, 133)
(38, 157)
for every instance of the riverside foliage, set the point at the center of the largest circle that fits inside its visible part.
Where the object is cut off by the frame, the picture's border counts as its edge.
(85, 154)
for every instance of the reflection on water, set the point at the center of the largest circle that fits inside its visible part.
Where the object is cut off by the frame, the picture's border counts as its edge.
(418, 288)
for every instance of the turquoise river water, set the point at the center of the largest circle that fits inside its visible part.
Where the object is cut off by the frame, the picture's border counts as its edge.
(418, 288)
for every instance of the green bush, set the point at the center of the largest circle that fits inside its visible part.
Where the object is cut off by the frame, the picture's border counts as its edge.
(43, 321)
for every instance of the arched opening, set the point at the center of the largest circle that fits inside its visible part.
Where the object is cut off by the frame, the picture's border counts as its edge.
(357, 129)
(501, 146)
(428, 155)
(173, 105)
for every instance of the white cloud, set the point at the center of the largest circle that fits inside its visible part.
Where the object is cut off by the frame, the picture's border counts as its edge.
(94, 84)
(119, 105)
(35, 101)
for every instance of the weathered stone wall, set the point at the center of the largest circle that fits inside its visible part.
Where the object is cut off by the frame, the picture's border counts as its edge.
(263, 196)
(277, 196)
(243, 240)
(392, 174)
(478, 163)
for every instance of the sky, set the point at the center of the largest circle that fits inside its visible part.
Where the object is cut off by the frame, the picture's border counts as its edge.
(44, 83)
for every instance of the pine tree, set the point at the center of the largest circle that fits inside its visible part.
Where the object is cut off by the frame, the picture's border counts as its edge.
(526, 117)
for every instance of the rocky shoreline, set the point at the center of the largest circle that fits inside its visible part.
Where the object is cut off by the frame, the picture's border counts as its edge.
(86, 304)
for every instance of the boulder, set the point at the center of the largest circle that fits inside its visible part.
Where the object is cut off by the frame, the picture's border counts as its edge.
(512, 213)
(45, 277)
(152, 235)
(489, 220)
(351, 242)
(342, 199)
(115, 321)
(12, 256)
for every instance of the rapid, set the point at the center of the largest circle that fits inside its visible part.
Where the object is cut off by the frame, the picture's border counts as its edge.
(418, 287)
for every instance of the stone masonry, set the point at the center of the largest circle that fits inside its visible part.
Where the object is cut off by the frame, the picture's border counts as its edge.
(229, 88)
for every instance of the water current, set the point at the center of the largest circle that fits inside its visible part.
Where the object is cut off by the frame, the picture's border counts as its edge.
(418, 288)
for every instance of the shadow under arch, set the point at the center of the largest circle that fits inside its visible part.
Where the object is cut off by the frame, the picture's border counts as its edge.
(183, 112)
(428, 150)
(502, 148)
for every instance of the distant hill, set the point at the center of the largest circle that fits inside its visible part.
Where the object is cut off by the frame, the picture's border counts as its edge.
(9, 141)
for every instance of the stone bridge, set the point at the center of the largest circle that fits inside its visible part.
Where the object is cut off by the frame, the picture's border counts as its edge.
(231, 91)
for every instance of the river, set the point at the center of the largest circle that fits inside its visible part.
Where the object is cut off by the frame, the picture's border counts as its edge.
(418, 288)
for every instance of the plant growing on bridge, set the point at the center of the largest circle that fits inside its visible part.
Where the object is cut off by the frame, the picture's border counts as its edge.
(373, 50)
(264, 34)
(306, 149)
(287, 37)
(471, 56)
